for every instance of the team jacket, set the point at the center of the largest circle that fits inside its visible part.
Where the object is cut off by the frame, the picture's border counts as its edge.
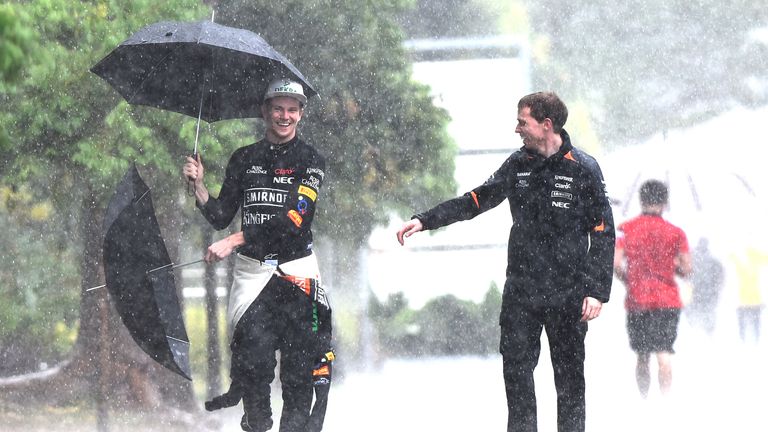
(561, 242)
(276, 186)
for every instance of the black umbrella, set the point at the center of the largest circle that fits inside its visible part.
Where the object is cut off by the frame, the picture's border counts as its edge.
(201, 69)
(139, 275)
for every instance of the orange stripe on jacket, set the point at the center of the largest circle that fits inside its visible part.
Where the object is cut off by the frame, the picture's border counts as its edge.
(474, 197)
(599, 228)
(569, 156)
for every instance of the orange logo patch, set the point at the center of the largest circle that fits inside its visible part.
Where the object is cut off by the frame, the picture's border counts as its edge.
(294, 216)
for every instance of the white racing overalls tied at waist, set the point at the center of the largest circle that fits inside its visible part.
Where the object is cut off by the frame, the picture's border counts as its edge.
(279, 308)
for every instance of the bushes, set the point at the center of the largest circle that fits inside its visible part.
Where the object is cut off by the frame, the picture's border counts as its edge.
(445, 325)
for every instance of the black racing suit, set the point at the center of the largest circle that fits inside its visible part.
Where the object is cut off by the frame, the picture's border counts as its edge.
(560, 250)
(276, 188)
(276, 185)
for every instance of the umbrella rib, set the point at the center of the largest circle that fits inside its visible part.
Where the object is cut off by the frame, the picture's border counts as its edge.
(141, 197)
(694, 193)
(745, 184)
(151, 72)
(173, 266)
(177, 339)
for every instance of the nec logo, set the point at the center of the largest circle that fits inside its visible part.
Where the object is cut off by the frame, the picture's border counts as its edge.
(282, 180)
(564, 205)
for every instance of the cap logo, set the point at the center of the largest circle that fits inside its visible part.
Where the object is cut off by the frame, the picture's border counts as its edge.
(286, 87)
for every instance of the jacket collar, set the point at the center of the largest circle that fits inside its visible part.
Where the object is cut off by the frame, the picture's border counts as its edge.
(565, 148)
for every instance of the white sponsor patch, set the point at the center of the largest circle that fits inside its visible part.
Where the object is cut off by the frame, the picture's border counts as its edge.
(561, 194)
(256, 170)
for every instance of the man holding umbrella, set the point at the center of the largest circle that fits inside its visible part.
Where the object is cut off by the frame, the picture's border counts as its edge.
(276, 301)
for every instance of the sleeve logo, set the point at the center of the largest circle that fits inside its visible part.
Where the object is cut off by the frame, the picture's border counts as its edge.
(294, 216)
(309, 193)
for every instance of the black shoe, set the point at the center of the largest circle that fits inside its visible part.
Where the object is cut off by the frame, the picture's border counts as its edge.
(226, 400)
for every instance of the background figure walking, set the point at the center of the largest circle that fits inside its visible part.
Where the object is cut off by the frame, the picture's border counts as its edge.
(707, 280)
(749, 265)
(649, 253)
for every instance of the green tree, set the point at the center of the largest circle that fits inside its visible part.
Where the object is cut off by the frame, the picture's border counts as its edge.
(16, 45)
(396, 327)
(71, 138)
(647, 66)
(37, 317)
(385, 142)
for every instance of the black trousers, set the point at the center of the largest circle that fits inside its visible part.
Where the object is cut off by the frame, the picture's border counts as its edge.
(281, 318)
(520, 346)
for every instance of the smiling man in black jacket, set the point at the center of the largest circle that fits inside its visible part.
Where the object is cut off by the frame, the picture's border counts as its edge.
(276, 301)
(560, 256)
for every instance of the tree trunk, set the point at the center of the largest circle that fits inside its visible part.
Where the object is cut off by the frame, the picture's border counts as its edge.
(212, 318)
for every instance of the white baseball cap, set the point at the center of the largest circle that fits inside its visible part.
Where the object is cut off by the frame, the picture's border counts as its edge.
(285, 87)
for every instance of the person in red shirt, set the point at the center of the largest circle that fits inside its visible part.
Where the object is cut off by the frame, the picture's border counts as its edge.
(650, 251)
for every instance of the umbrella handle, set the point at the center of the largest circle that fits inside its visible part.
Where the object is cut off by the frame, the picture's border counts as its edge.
(191, 188)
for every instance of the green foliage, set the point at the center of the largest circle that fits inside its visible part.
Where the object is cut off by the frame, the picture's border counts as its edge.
(63, 113)
(444, 326)
(648, 66)
(385, 142)
(69, 137)
(16, 43)
(38, 313)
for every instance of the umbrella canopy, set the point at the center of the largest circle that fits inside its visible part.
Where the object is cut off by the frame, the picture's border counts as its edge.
(201, 69)
(139, 275)
(715, 192)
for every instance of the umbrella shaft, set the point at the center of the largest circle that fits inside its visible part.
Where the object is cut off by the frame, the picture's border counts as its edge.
(173, 266)
(199, 115)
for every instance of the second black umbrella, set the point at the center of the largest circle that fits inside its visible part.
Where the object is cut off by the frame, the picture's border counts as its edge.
(140, 278)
